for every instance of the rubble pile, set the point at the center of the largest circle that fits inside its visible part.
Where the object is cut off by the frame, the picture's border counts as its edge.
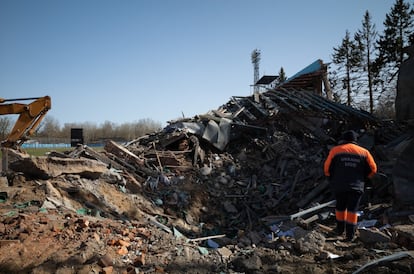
(236, 190)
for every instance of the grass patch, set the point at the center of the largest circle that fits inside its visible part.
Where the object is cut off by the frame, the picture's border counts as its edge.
(44, 151)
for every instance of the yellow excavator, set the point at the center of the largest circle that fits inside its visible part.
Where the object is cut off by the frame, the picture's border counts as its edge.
(30, 116)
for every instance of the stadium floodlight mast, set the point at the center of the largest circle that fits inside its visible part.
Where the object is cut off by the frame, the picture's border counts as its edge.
(255, 61)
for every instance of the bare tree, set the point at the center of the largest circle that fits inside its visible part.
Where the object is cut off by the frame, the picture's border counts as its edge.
(49, 128)
(5, 126)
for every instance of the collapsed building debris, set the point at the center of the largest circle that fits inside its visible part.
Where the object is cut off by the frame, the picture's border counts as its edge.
(220, 185)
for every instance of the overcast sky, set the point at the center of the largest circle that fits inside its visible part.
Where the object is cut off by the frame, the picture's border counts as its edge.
(123, 61)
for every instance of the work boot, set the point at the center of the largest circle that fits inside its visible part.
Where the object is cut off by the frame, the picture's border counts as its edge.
(350, 239)
(350, 232)
(340, 228)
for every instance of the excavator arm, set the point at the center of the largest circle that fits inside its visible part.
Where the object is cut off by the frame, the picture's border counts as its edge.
(30, 116)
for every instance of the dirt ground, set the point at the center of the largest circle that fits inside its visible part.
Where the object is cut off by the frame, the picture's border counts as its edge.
(98, 228)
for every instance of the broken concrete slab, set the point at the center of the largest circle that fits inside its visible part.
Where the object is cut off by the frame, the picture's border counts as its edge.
(49, 167)
(373, 235)
(403, 235)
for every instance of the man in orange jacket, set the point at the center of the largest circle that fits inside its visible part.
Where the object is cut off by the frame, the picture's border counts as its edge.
(347, 166)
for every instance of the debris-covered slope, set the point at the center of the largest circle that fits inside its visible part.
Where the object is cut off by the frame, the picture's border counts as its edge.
(237, 190)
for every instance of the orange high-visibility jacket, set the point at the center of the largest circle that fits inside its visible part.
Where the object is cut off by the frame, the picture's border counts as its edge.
(347, 166)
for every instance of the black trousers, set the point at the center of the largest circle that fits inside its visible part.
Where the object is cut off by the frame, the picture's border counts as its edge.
(347, 204)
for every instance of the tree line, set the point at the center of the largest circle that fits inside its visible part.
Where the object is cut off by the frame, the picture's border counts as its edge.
(93, 132)
(364, 67)
(367, 62)
(50, 130)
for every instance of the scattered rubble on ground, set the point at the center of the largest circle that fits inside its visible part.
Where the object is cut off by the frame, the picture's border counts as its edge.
(237, 190)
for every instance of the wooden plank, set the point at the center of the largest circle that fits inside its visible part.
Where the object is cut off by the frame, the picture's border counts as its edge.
(121, 152)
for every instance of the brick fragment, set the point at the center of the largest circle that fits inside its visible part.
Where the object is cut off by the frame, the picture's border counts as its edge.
(43, 220)
(108, 270)
(123, 243)
(123, 250)
(105, 260)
